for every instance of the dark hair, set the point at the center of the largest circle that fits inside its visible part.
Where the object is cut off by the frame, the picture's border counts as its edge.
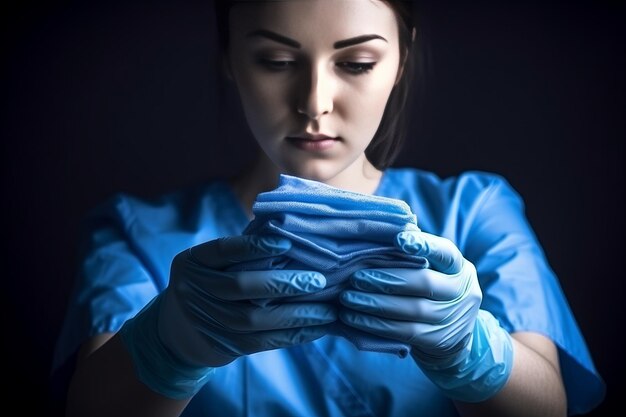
(389, 138)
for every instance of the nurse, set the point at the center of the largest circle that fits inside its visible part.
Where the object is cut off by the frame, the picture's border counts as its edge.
(165, 322)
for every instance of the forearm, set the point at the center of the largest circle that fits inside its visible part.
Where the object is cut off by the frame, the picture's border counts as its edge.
(534, 387)
(105, 384)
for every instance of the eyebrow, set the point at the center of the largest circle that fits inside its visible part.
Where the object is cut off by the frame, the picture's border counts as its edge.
(264, 33)
(356, 40)
(273, 36)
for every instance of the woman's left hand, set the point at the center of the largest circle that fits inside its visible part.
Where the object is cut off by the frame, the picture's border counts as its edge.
(433, 310)
(461, 348)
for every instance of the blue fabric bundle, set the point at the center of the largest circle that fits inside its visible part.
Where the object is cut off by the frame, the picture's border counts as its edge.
(335, 232)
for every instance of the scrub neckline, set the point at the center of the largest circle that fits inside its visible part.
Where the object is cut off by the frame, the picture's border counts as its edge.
(381, 189)
(239, 212)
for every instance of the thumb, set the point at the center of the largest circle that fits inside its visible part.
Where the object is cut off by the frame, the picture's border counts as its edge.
(226, 251)
(442, 254)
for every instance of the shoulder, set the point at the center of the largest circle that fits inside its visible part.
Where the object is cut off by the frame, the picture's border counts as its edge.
(175, 219)
(448, 205)
(133, 230)
(128, 209)
(467, 186)
(474, 178)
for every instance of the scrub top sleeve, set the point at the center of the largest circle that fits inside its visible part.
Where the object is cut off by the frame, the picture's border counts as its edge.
(521, 290)
(112, 283)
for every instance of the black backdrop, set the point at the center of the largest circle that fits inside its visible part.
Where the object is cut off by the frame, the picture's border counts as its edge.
(99, 97)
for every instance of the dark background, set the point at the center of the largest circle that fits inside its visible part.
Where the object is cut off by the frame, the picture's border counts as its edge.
(99, 97)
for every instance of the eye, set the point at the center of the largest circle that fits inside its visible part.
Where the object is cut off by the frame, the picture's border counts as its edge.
(276, 64)
(356, 68)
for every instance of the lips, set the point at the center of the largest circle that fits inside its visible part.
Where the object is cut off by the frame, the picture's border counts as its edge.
(314, 143)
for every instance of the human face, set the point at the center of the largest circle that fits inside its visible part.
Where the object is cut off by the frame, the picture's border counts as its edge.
(314, 77)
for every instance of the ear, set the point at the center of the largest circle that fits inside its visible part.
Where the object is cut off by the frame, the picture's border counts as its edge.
(404, 58)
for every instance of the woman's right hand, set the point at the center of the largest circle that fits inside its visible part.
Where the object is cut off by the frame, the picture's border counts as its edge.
(205, 317)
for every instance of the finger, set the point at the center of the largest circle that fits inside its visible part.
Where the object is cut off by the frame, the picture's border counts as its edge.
(441, 253)
(404, 331)
(227, 251)
(254, 285)
(245, 318)
(249, 343)
(408, 281)
(396, 307)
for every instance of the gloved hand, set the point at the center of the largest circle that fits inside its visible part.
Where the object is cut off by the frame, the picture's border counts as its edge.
(205, 319)
(461, 348)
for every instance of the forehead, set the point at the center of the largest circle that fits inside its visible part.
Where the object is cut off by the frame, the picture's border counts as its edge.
(314, 21)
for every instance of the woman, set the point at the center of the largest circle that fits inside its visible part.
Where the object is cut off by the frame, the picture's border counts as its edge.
(174, 325)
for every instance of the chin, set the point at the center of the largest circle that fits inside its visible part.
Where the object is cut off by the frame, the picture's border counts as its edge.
(322, 171)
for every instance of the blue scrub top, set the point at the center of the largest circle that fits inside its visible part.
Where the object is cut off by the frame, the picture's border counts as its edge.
(129, 243)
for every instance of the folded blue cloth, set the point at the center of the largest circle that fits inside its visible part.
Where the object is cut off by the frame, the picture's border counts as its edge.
(335, 232)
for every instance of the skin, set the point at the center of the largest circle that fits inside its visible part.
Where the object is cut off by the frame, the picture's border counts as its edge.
(310, 85)
(289, 91)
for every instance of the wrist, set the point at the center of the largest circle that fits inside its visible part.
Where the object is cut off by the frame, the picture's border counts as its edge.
(480, 369)
(157, 366)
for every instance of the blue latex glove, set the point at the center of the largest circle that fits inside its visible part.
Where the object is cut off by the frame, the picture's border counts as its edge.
(205, 317)
(461, 348)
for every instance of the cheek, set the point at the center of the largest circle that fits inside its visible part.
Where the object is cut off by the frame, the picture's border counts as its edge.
(264, 102)
(367, 100)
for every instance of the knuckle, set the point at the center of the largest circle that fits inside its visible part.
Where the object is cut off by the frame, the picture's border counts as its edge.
(249, 344)
(180, 260)
(414, 336)
(240, 319)
(429, 289)
(416, 310)
(246, 322)
(470, 267)
(446, 345)
(476, 294)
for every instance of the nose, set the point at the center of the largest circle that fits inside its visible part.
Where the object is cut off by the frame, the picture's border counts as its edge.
(316, 97)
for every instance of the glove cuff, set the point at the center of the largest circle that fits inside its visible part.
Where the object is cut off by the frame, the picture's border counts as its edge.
(155, 365)
(480, 369)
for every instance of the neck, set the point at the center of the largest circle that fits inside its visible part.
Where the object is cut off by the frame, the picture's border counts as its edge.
(260, 176)
(360, 177)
